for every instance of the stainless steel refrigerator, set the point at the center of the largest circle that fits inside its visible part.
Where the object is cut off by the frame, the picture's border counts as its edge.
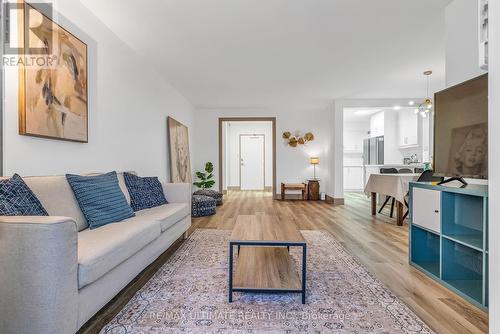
(373, 151)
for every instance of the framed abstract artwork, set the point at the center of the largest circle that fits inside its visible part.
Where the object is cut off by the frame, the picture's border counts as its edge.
(180, 163)
(53, 95)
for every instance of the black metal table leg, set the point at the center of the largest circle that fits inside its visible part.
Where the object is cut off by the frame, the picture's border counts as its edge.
(304, 270)
(231, 272)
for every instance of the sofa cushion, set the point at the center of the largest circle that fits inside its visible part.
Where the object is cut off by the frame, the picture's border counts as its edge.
(17, 199)
(121, 183)
(167, 215)
(145, 192)
(102, 249)
(100, 198)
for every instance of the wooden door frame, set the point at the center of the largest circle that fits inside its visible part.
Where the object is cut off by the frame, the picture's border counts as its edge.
(263, 150)
(248, 119)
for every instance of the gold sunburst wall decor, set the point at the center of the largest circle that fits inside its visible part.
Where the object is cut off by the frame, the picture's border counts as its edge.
(297, 139)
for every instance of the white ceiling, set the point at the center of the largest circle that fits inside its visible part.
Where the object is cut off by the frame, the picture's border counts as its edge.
(287, 53)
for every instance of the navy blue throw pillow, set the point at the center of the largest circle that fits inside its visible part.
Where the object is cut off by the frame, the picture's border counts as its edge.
(17, 199)
(145, 192)
(100, 198)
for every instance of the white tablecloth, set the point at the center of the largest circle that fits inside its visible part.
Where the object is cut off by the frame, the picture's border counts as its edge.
(395, 185)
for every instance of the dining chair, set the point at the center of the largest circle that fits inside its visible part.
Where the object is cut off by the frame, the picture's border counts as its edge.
(405, 171)
(388, 171)
(426, 176)
(419, 170)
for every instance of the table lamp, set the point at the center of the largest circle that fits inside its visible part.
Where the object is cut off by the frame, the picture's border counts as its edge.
(314, 162)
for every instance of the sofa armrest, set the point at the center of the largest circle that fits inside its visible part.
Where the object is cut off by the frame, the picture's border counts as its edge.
(178, 192)
(38, 275)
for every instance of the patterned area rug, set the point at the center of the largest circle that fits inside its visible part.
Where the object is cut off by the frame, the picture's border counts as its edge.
(189, 295)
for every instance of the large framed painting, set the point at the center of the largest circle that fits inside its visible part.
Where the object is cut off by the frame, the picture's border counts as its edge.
(53, 95)
(180, 163)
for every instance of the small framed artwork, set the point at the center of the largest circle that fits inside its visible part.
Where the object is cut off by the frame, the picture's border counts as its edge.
(180, 163)
(53, 95)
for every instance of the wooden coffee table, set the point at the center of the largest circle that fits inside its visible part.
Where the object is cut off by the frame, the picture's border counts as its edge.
(263, 262)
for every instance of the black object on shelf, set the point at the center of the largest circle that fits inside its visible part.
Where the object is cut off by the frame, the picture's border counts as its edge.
(457, 178)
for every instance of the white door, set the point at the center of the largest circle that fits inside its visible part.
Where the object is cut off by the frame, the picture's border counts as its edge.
(252, 162)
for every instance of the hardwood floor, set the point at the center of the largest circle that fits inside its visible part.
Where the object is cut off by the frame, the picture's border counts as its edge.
(377, 242)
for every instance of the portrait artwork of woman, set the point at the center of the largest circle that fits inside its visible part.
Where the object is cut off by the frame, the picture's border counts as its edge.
(471, 157)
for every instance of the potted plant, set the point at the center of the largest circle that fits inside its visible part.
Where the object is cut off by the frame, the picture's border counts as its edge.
(205, 178)
(206, 182)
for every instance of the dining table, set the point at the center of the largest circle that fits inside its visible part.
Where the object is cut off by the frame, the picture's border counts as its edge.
(394, 185)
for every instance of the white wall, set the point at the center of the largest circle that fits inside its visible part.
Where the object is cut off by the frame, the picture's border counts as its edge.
(494, 164)
(462, 55)
(128, 107)
(292, 164)
(235, 129)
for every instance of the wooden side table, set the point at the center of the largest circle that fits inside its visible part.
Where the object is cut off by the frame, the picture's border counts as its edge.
(313, 190)
(294, 186)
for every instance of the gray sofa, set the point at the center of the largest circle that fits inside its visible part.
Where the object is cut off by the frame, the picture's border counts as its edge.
(56, 273)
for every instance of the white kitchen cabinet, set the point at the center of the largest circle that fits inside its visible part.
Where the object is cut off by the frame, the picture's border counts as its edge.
(353, 178)
(370, 170)
(377, 124)
(426, 209)
(483, 34)
(407, 128)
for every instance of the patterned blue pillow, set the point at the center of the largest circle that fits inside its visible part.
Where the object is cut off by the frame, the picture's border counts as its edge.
(100, 198)
(145, 192)
(17, 199)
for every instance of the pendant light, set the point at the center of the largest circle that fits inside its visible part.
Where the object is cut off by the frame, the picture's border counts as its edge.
(425, 107)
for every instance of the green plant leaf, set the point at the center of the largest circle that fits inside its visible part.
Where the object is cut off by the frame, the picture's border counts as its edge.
(209, 167)
(209, 184)
(209, 177)
(201, 175)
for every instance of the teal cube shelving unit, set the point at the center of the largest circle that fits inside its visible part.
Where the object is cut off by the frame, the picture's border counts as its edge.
(427, 255)
(449, 237)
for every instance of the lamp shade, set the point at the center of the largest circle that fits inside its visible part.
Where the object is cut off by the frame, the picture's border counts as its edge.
(314, 160)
